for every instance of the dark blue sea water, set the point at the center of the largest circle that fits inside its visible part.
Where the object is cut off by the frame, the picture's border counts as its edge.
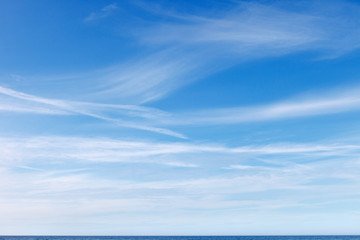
(180, 237)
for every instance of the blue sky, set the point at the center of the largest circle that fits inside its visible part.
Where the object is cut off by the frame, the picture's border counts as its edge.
(179, 117)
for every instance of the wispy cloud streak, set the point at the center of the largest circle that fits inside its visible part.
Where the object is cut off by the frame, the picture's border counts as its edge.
(94, 110)
(254, 29)
(103, 13)
(151, 119)
(113, 150)
(226, 38)
(152, 77)
(324, 103)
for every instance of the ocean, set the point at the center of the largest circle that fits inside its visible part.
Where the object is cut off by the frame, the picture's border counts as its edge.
(333, 237)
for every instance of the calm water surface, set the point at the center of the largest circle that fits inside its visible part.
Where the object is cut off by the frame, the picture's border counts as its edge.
(180, 238)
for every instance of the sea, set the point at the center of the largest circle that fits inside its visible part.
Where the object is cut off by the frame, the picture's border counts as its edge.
(327, 237)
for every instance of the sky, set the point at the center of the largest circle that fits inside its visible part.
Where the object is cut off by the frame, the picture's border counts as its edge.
(179, 117)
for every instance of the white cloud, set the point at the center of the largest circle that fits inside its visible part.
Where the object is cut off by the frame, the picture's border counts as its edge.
(190, 47)
(125, 114)
(36, 195)
(150, 78)
(18, 150)
(320, 104)
(253, 29)
(193, 46)
(250, 25)
(103, 13)
(151, 119)
(76, 196)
